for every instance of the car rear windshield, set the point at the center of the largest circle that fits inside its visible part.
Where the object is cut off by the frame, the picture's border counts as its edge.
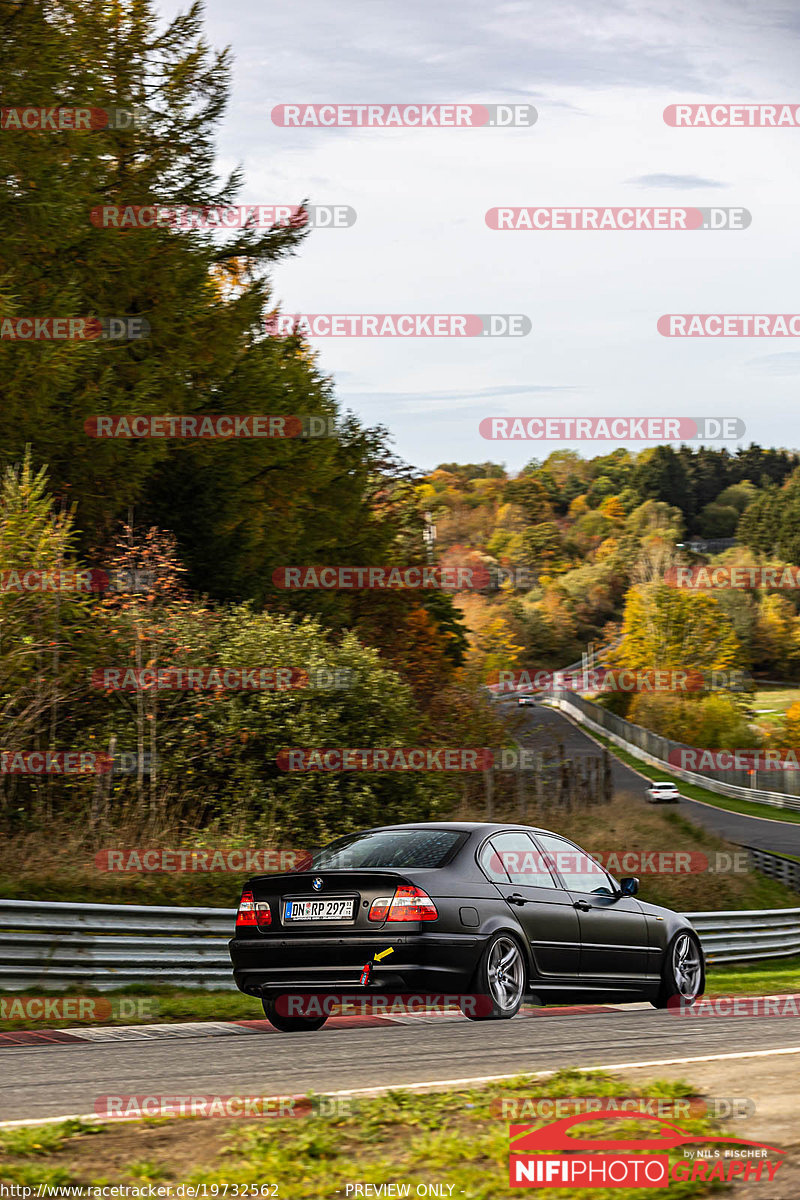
(389, 848)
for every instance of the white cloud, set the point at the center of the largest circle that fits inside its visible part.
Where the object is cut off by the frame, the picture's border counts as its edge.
(600, 79)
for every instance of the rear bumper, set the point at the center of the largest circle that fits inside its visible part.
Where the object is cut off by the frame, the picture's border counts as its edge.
(431, 962)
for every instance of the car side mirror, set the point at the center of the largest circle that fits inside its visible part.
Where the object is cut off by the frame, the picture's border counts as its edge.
(629, 885)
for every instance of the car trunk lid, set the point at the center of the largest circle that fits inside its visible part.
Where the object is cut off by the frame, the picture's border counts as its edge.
(319, 903)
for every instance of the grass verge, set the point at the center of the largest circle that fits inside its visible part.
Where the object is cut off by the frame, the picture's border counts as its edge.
(771, 703)
(762, 978)
(456, 1138)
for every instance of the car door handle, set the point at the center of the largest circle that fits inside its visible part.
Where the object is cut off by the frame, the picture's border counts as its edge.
(515, 898)
(582, 905)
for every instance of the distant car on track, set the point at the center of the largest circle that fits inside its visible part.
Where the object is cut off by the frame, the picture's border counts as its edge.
(478, 909)
(522, 701)
(662, 793)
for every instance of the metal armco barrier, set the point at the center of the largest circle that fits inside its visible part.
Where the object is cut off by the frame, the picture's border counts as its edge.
(104, 946)
(738, 936)
(44, 944)
(786, 870)
(651, 748)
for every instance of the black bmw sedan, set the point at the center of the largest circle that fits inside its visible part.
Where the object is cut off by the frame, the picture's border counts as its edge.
(484, 910)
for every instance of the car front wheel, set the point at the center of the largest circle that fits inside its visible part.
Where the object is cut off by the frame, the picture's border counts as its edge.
(683, 978)
(291, 1024)
(499, 981)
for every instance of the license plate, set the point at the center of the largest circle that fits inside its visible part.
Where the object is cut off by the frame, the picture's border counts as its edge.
(318, 910)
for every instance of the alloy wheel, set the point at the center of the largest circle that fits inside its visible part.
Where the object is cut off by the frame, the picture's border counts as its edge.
(686, 968)
(506, 972)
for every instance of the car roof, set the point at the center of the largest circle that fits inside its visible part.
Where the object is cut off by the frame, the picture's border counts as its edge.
(459, 827)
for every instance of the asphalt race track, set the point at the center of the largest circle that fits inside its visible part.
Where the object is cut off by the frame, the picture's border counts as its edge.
(547, 728)
(65, 1080)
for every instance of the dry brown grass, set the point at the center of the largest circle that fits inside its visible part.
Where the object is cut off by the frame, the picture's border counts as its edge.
(628, 823)
(58, 863)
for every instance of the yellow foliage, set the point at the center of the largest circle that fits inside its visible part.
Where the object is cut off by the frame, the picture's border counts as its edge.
(578, 507)
(606, 549)
(667, 628)
(612, 508)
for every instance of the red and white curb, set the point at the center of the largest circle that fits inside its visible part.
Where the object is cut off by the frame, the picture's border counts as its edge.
(190, 1029)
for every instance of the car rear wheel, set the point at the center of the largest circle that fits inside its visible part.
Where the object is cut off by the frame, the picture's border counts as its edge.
(291, 1024)
(684, 977)
(499, 981)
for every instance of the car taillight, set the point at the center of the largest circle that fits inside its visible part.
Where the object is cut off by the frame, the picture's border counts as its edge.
(407, 904)
(247, 910)
(379, 908)
(412, 904)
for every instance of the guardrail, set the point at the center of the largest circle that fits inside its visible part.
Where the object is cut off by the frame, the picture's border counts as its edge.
(109, 946)
(105, 946)
(739, 936)
(601, 721)
(777, 866)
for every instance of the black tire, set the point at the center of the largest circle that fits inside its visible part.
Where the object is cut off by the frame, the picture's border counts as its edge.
(291, 1024)
(683, 979)
(499, 981)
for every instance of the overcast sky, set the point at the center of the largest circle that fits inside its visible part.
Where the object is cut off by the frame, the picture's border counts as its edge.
(600, 77)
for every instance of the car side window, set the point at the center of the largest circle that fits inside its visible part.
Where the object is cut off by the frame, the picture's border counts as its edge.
(514, 858)
(491, 864)
(579, 872)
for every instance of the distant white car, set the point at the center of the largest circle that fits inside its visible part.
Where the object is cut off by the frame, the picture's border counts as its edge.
(663, 793)
(521, 700)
